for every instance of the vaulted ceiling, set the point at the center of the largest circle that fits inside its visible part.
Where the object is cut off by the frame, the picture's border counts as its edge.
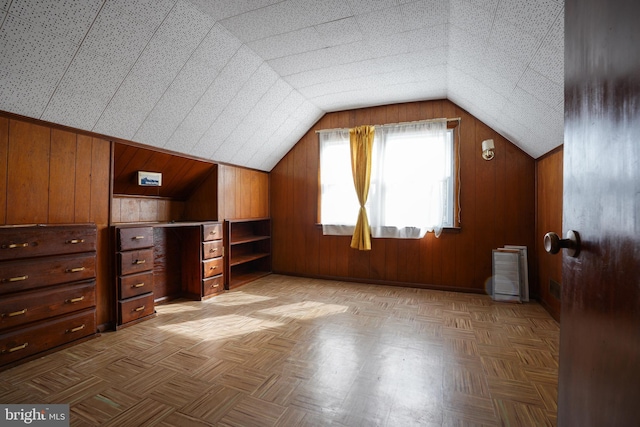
(240, 81)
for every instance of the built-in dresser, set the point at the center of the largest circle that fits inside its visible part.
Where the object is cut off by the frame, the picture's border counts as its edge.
(47, 289)
(134, 274)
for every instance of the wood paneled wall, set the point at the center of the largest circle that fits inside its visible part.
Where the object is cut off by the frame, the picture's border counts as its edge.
(181, 175)
(145, 209)
(497, 200)
(242, 193)
(228, 192)
(549, 190)
(50, 175)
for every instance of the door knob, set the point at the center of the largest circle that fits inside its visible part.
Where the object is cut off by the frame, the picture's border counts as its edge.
(553, 243)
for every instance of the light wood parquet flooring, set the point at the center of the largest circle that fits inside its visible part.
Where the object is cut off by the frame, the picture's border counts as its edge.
(285, 351)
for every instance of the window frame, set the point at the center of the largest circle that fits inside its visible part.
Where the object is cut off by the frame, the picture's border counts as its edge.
(453, 125)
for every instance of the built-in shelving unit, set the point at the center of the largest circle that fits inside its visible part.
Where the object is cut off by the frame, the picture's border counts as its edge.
(248, 249)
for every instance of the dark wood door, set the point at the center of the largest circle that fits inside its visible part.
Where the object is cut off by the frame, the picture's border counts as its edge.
(599, 379)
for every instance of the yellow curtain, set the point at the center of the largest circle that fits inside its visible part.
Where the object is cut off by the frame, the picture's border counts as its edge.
(361, 139)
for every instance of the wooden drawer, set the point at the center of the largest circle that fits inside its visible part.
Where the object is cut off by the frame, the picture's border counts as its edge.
(39, 272)
(212, 249)
(134, 238)
(136, 307)
(212, 286)
(23, 307)
(135, 284)
(212, 267)
(21, 342)
(211, 232)
(135, 261)
(24, 242)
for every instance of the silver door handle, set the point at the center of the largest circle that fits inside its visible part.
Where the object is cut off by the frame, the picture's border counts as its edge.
(553, 243)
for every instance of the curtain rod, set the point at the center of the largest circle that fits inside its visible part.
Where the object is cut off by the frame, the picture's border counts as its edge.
(455, 119)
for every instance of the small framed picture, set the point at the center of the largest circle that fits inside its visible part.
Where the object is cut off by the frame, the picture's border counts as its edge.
(149, 179)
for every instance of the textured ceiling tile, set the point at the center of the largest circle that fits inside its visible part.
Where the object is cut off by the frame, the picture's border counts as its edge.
(220, 9)
(381, 23)
(374, 82)
(288, 44)
(425, 13)
(216, 98)
(410, 41)
(235, 112)
(555, 35)
(306, 61)
(4, 4)
(542, 88)
(259, 118)
(549, 62)
(503, 64)
(433, 85)
(466, 42)
(194, 78)
(472, 19)
(64, 18)
(363, 6)
(85, 90)
(33, 60)
(367, 67)
(489, 5)
(118, 35)
(156, 68)
(110, 49)
(285, 16)
(531, 16)
(341, 31)
(513, 41)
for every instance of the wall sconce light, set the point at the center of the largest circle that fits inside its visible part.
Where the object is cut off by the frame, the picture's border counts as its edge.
(488, 149)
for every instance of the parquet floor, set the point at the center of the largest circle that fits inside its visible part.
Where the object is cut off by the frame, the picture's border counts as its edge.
(286, 351)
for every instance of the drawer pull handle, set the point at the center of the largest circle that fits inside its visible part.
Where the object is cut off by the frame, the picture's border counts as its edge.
(16, 313)
(16, 279)
(214, 286)
(213, 267)
(213, 251)
(137, 237)
(74, 300)
(139, 308)
(76, 329)
(75, 270)
(20, 347)
(75, 241)
(15, 245)
(137, 285)
(212, 232)
(140, 261)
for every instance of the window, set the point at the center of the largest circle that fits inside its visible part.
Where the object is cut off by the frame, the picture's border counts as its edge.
(412, 181)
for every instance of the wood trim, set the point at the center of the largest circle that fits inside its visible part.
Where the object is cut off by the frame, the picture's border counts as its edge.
(389, 283)
(551, 152)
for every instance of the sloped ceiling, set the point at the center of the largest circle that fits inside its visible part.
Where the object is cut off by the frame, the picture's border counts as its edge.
(240, 81)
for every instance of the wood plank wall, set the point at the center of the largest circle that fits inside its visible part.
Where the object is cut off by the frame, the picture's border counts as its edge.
(145, 209)
(549, 188)
(242, 193)
(230, 192)
(50, 175)
(497, 200)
